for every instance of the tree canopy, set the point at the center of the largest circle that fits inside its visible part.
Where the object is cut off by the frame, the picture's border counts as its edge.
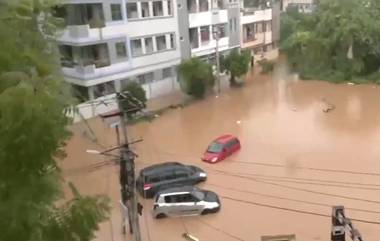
(196, 77)
(339, 41)
(33, 132)
(236, 63)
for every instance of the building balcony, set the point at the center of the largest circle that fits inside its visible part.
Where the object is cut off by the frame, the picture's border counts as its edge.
(257, 16)
(208, 18)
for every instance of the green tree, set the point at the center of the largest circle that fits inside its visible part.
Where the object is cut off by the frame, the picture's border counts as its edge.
(339, 41)
(196, 77)
(236, 64)
(135, 99)
(33, 132)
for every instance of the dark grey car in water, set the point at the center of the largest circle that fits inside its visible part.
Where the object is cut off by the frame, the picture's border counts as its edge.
(166, 175)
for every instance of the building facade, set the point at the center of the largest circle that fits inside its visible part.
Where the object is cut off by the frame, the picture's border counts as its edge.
(107, 44)
(305, 6)
(203, 23)
(259, 25)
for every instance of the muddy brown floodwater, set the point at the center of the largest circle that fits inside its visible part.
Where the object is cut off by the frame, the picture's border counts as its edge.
(288, 142)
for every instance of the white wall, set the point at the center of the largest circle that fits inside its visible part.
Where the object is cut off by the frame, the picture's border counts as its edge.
(259, 15)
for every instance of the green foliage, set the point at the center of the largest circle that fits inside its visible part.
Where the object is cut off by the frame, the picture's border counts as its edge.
(196, 77)
(33, 132)
(267, 66)
(136, 100)
(236, 64)
(339, 41)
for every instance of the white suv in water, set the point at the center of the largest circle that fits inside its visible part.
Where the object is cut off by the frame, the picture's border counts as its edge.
(185, 201)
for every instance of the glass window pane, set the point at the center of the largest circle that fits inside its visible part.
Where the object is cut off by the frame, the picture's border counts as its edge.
(205, 34)
(161, 42)
(169, 7)
(132, 10)
(167, 73)
(116, 12)
(148, 45)
(172, 41)
(136, 47)
(158, 9)
(203, 5)
(145, 10)
(121, 50)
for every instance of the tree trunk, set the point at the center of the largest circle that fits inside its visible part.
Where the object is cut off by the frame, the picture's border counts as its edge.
(233, 80)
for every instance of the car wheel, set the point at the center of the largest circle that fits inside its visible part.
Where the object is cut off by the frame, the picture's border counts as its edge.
(208, 211)
(160, 216)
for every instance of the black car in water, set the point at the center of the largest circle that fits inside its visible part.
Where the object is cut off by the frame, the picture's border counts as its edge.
(166, 175)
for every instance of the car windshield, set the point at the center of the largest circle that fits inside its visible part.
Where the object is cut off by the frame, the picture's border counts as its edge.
(199, 195)
(215, 147)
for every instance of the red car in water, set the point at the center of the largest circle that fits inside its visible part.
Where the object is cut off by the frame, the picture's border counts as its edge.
(221, 148)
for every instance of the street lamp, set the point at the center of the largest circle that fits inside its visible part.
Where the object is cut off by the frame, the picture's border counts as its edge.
(216, 34)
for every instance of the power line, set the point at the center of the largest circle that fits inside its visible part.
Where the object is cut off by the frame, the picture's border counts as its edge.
(310, 168)
(259, 177)
(317, 182)
(301, 189)
(286, 166)
(293, 210)
(303, 179)
(289, 199)
(221, 230)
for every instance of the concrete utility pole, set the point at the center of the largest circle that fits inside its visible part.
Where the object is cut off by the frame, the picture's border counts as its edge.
(216, 33)
(127, 175)
(340, 223)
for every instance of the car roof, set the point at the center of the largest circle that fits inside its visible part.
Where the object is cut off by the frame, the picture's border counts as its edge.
(161, 167)
(179, 190)
(224, 139)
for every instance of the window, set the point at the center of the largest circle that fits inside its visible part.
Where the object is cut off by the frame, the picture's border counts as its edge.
(167, 73)
(185, 198)
(269, 26)
(169, 199)
(181, 174)
(203, 5)
(153, 179)
(132, 10)
(158, 9)
(172, 43)
(220, 29)
(169, 176)
(170, 7)
(205, 34)
(148, 45)
(116, 12)
(121, 50)
(145, 10)
(192, 6)
(193, 33)
(161, 42)
(145, 78)
(104, 89)
(136, 47)
(248, 32)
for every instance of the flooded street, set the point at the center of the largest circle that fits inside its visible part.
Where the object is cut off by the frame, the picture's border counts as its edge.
(294, 157)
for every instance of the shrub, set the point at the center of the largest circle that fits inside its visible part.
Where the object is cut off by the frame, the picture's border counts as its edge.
(267, 66)
(136, 100)
(196, 77)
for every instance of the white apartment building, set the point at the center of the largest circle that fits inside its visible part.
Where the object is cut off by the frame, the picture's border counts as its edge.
(259, 25)
(201, 21)
(106, 44)
(305, 6)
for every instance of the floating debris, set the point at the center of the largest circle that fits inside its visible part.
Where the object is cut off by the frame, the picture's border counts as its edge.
(189, 237)
(238, 122)
(350, 83)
